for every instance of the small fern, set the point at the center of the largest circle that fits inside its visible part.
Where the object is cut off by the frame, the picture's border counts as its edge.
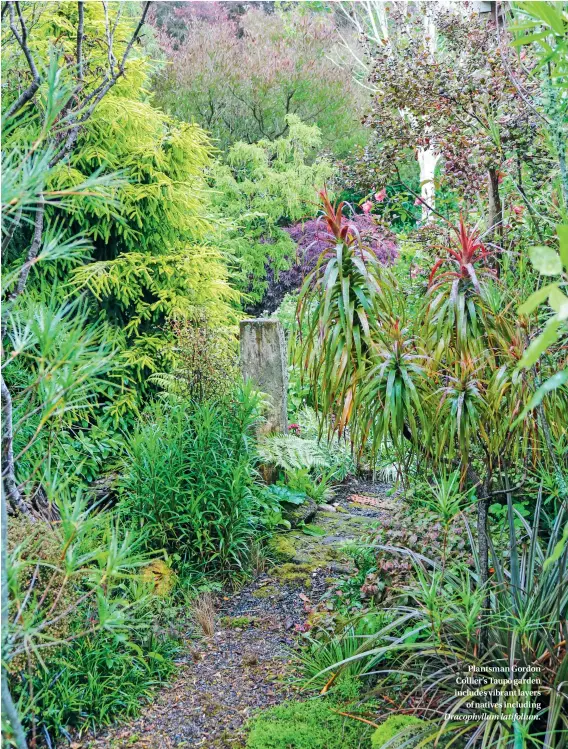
(337, 450)
(388, 472)
(292, 453)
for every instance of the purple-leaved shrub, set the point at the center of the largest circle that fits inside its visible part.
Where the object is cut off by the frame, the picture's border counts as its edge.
(312, 238)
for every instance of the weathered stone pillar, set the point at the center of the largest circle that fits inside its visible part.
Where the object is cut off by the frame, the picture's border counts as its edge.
(263, 360)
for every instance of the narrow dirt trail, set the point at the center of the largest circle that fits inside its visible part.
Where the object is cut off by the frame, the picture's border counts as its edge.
(248, 663)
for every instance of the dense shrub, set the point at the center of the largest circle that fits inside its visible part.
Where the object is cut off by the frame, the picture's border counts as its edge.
(81, 645)
(144, 256)
(518, 653)
(262, 187)
(188, 481)
(312, 238)
(205, 361)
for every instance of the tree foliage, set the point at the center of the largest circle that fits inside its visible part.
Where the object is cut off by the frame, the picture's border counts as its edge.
(446, 82)
(148, 259)
(241, 75)
(260, 188)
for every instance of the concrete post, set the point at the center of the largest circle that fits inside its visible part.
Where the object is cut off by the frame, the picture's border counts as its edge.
(263, 360)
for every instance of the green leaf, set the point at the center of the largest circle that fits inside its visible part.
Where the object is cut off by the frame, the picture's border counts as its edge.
(548, 336)
(284, 494)
(133, 646)
(554, 382)
(528, 38)
(313, 530)
(538, 297)
(558, 549)
(559, 303)
(553, 16)
(546, 261)
(155, 655)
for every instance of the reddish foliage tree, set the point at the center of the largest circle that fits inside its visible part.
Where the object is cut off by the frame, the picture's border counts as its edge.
(240, 73)
(463, 98)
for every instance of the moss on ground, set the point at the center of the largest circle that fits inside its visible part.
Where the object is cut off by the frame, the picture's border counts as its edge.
(282, 546)
(268, 591)
(398, 731)
(299, 554)
(293, 573)
(238, 622)
(305, 725)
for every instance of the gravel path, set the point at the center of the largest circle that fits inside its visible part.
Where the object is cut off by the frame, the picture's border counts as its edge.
(248, 663)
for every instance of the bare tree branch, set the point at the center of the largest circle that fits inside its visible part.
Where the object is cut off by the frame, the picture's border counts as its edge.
(22, 40)
(98, 93)
(8, 707)
(30, 260)
(34, 248)
(110, 37)
(419, 197)
(80, 33)
(8, 469)
(7, 238)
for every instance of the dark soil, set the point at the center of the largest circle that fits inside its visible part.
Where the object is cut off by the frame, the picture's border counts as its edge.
(248, 663)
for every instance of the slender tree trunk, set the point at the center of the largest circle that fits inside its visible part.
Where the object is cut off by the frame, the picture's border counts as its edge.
(13, 495)
(428, 157)
(495, 210)
(427, 161)
(8, 707)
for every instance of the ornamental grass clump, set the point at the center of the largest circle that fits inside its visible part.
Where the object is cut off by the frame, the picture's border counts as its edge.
(189, 481)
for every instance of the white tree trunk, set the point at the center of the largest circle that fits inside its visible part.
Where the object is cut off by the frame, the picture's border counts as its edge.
(427, 161)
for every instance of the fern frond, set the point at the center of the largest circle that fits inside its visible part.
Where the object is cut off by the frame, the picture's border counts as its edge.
(291, 453)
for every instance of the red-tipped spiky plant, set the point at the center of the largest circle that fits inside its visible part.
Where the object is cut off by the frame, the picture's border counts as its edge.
(338, 307)
(468, 252)
(334, 219)
(455, 311)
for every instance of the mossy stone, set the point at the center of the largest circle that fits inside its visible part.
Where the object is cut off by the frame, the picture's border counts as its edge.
(296, 515)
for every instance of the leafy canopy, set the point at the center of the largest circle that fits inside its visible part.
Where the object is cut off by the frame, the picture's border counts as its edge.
(149, 261)
(240, 76)
(261, 187)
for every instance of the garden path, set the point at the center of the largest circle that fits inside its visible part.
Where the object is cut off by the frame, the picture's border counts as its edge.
(248, 663)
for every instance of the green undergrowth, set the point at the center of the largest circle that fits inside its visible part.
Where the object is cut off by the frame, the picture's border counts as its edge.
(189, 483)
(314, 724)
(238, 622)
(398, 731)
(93, 681)
(294, 573)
